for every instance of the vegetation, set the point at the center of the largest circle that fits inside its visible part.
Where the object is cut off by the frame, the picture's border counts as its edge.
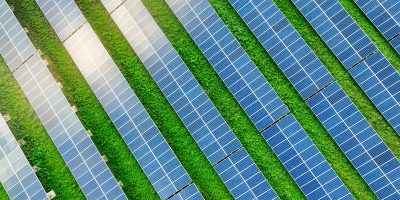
(55, 175)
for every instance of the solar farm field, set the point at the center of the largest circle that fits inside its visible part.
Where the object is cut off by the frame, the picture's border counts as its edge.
(204, 172)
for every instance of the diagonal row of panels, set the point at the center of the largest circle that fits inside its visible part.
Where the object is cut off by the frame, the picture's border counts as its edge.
(334, 109)
(210, 131)
(16, 174)
(138, 130)
(54, 111)
(385, 15)
(369, 68)
(281, 130)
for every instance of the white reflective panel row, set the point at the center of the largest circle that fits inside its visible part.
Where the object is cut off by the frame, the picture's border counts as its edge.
(67, 132)
(138, 130)
(15, 46)
(16, 174)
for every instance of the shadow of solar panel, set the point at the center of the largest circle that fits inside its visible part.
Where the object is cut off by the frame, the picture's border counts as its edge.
(62, 124)
(16, 174)
(381, 83)
(339, 31)
(197, 112)
(233, 65)
(358, 140)
(188, 193)
(295, 58)
(381, 17)
(242, 177)
(303, 161)
(138, 130)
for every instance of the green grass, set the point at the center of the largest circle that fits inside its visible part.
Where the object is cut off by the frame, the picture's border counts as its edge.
(3, 194)
(39, 148)
(106, 138)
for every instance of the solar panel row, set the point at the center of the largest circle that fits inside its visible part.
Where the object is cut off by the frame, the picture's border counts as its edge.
(385, 15)
(138, 130)
(202, 22)
(381, 17)
(54, 111)
(358, 140)
(355, 50)
(295, 57)
(197, 112)
(16, 174)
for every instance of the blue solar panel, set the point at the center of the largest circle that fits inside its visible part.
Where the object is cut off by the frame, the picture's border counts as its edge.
(233, 65)
(304, 162)
(197, 112)
(188, 193)
(385, 15)
(295, 58)
(16, 174)
(395, 42)
(380, 16)
(244, 179)
(381, 83)
(339, 31)
(358, 140)
(138, 130)
(57, 116)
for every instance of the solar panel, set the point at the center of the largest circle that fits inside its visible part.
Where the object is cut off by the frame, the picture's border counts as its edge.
(381, 16)
(304, 162)
(59, 119)
(239, 172)
(381, 83)
(233, 65)
(188, 193)
(395, 42)
(294, 57)
(16, 174)
(351, 45)
(358, 140)
(339, 31)
(138, 130)
(197, 112)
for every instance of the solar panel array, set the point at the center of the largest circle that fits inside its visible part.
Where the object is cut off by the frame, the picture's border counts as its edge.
(138, 130)
(358, 140)
(294, 57)
(385, 15)
(16, 174)
(304, 162)
(197, 112)
(201, 22)
(233, 65)
(352, 46)
(54, 111)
